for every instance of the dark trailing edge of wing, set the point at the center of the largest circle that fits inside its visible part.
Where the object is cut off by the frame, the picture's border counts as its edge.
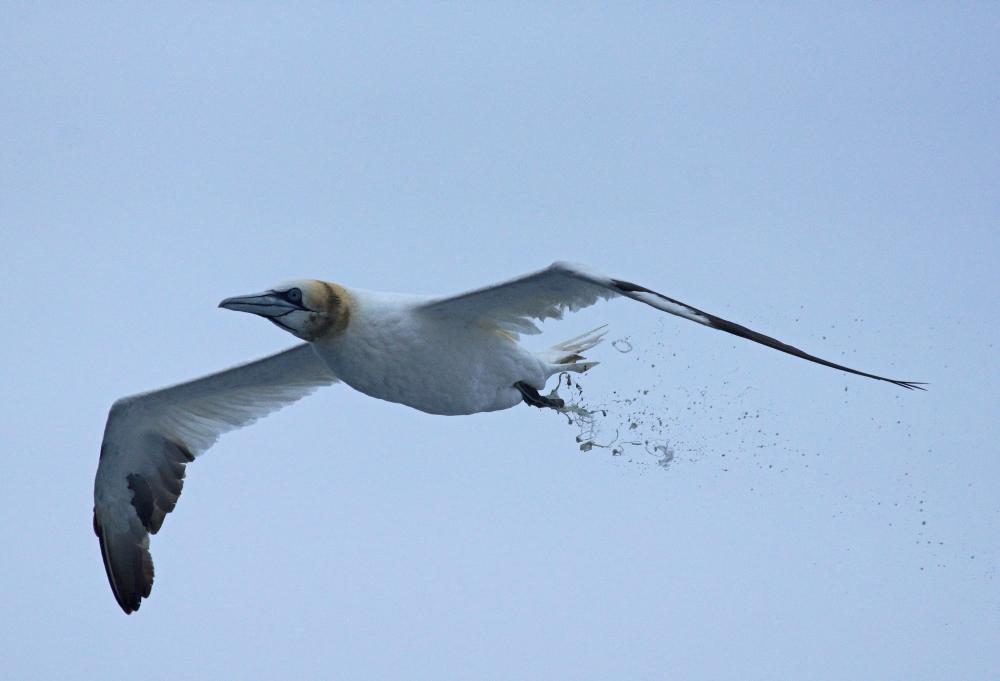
(743, 332)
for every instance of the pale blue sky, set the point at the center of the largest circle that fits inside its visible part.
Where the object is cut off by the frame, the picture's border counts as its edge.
(824, 174)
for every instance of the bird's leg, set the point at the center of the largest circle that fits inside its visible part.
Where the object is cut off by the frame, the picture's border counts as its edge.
(532, 397)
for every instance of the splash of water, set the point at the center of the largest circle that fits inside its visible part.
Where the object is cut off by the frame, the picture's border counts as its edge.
(589, 423)
(657, 412)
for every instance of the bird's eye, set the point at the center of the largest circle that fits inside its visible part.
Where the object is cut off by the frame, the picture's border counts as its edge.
(293, 295)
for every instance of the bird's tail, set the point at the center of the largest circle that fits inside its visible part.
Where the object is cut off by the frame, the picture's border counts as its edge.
(566, 355)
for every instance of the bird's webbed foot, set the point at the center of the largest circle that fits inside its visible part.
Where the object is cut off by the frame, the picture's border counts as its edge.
(532, 397)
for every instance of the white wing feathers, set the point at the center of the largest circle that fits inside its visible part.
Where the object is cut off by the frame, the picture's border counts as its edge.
(511, 305)
(199, 411)
(149, 438)
(548, 293)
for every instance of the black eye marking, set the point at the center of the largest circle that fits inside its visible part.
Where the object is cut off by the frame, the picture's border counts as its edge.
(293, 295)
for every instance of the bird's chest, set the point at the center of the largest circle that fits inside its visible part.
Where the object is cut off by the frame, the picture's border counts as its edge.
(436, 369)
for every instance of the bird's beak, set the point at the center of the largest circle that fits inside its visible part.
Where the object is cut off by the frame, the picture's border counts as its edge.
(263, 304)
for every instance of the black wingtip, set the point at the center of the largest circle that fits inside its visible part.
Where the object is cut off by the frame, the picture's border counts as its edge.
(743, 332)
(131, 579)
(127, 607)
(909, 385)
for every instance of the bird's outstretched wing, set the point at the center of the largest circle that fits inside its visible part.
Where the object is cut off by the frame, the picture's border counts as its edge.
(512, 305)
(151, 437)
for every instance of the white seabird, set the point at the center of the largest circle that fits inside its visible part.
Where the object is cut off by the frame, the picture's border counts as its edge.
(453, 355)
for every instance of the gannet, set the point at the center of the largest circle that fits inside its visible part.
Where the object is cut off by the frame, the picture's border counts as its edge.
(452, 355)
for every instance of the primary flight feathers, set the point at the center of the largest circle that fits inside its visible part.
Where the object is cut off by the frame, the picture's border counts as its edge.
(452, 355)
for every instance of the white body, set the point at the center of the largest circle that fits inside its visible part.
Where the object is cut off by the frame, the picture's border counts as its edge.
(393, 352)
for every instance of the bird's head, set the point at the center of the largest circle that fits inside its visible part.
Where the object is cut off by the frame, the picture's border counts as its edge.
(310, 309)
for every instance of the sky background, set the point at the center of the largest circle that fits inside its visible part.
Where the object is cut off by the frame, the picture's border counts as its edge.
(824, 174)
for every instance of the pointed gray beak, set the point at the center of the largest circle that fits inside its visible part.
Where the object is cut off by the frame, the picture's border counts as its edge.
(263, 304)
